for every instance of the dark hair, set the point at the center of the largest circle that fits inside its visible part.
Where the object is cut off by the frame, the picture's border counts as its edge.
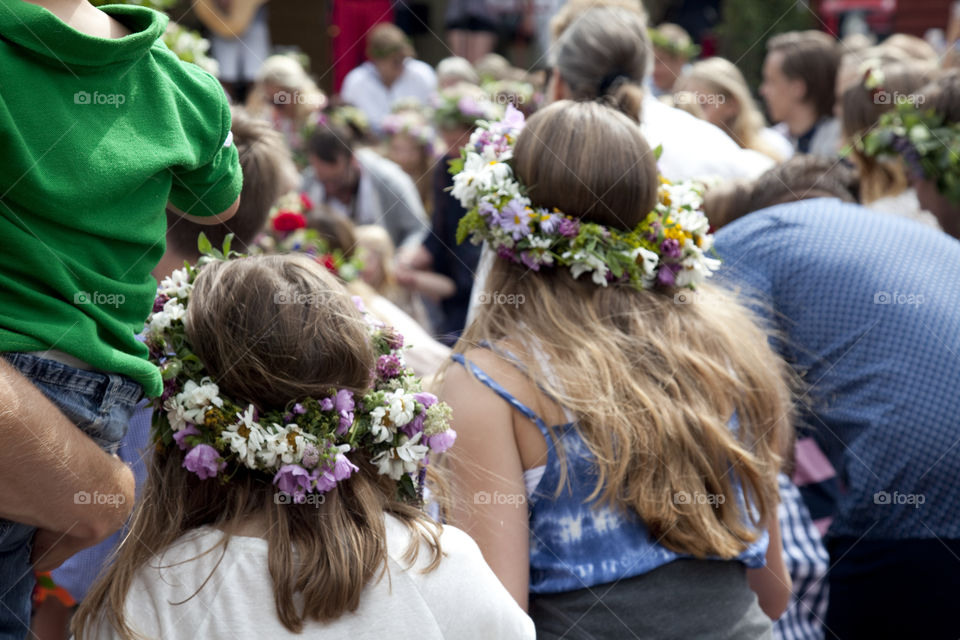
(802, 177)
(331, 141)
(810, 56)
(268, 173)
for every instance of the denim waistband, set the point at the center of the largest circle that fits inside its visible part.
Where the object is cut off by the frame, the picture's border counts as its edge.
(87, 382)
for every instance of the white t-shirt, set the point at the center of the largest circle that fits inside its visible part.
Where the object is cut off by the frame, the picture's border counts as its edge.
(363, 88)
(778, 143)
(461, 599)
(907, 205)
(694, 148)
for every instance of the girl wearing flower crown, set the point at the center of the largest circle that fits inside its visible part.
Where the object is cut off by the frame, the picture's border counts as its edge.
(282, 496)
(619, 433)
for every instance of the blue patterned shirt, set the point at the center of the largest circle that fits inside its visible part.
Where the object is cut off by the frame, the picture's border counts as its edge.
(576, 543)
(868, 311)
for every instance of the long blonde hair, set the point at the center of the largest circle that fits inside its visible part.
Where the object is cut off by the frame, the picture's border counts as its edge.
(267, 352)
(652, 383)
(720, 77)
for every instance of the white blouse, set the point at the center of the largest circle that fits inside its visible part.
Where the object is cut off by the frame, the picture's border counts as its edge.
(460, 600)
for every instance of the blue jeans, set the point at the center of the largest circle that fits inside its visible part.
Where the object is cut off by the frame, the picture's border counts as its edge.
(98, 403)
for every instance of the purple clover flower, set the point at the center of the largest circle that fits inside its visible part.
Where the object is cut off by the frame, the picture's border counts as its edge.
(670, 248)
(389, 366)
(568, 227)
(311, 456)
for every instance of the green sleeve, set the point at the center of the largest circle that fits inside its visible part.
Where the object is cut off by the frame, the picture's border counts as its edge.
(212, 187)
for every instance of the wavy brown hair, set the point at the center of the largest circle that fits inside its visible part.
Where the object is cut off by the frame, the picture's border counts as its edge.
(652, 383)
(271, 329)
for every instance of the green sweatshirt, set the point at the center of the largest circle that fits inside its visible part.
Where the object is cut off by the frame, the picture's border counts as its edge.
(96, 136)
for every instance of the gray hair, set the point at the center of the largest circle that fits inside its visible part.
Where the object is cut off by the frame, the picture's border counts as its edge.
(603, 50)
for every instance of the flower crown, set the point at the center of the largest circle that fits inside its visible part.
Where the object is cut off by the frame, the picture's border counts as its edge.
(305, 446)
(924, 140)
(414, 125)
(464, 104)
(287, 232)
(515, 92)
(669, 248)
(686, 49)
(346, 116)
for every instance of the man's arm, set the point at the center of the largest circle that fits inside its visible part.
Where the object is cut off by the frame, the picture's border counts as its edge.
(46, 465)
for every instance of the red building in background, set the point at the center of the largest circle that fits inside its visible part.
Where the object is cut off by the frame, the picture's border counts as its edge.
(887, 16)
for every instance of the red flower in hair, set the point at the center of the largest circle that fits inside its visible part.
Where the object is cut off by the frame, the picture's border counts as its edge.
(306, 202)
(289, 221)
(328, 263)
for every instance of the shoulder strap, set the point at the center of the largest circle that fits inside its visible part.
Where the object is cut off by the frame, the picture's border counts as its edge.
(482, 376)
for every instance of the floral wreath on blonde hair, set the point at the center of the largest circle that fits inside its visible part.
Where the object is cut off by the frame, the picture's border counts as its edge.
(303, 447)
(923, 139)
(412, 124)
(688, 50)
(287, 232)
(668, 248)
